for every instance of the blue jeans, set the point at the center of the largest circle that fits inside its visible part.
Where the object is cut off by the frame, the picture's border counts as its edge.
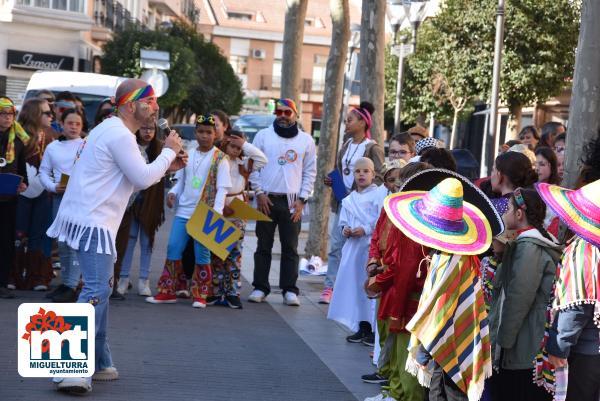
(136, 230)
(69, 264)
(33, 219)
(179, 238)
(336, 243)
(97, 270)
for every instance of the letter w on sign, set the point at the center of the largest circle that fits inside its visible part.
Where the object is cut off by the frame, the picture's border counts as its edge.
(213, 230)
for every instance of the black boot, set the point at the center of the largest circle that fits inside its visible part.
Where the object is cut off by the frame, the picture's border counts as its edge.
(56, 291)
(364, 329)
(66, 296)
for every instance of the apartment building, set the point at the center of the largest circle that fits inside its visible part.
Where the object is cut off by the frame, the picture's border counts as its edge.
(69, 34)
(250, 35)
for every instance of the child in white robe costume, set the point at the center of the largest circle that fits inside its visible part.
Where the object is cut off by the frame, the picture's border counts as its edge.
(350, 305)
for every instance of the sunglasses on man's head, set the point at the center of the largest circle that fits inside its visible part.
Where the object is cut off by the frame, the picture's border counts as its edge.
(287, 113)
(207, 120)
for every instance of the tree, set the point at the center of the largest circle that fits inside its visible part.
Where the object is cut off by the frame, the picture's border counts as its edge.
(585, 102)
(122, 57)
(293, 39)
(372, 60)
(443, 89)
(197, 67)
(538, 57)
(332, 104)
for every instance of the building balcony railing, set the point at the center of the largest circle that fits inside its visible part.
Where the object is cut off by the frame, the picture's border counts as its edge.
(269, 82)
(112, 15)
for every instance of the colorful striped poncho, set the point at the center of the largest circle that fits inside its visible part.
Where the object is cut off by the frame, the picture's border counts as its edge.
(451, 324)
(577, 282)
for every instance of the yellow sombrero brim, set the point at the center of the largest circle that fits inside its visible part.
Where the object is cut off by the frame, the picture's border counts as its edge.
(475, 239)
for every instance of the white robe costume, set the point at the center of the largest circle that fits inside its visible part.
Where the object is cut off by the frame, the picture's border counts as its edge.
(349, 304)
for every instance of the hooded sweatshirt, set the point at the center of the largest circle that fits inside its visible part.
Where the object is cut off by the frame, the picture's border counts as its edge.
(522, 288)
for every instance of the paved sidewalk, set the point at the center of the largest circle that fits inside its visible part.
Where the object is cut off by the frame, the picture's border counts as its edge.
(264, 352)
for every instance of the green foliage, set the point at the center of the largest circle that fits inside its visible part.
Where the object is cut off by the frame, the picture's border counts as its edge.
(538, 56)
(200, 78)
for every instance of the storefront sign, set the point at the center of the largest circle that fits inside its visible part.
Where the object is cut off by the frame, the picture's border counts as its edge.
(38, 61)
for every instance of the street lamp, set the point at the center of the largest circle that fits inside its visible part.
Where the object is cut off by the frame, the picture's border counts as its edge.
(414, 12)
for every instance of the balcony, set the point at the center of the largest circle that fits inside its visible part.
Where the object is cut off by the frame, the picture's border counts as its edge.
(166, 7)
(310, 86)
(270, 82)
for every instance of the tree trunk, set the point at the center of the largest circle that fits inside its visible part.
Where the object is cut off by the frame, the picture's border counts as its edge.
(514, 122)
(293, 39)
(584, 113)
(332, 103)
(454, 127)
(372, 50)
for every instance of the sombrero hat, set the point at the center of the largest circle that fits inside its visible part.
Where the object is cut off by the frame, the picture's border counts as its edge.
(579, 209)
(427, 179)
(441, 219)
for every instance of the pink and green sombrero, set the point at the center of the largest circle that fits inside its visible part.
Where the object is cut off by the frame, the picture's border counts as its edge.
(441, 219)
(579, 209)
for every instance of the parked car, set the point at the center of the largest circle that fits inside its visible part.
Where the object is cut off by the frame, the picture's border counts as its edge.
(250, 124)
(187, 132)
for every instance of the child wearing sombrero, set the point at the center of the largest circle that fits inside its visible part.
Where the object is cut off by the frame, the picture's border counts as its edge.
(572, 346)
(350, 305)
(449, 350)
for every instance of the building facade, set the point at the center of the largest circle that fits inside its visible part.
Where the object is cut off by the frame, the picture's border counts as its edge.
(250, 34)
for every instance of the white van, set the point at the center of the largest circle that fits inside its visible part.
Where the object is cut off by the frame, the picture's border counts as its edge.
(91, 88)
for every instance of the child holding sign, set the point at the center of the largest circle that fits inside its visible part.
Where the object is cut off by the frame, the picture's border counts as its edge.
(243, 159)
(206, 178)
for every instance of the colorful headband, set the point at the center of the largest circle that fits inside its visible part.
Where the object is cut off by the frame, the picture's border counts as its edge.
(288, 103)
(136, 95)
(6, 103)
(519, 199)
(366, 116)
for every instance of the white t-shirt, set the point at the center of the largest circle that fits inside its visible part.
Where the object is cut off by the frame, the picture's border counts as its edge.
(58, 159)
(354, 151)
(191, 182)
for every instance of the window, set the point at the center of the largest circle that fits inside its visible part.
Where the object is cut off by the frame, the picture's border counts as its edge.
(239, 64)
(239, 16)
(319, 71)
(276, 83)
(76, 6)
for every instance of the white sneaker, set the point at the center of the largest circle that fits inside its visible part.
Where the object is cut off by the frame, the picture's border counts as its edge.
(291, 299)
(380, 397)
(123, 285)
(11, 286)
(257, 296)
(75, 385)
(144, 288)
(40, 287)
(106, 374)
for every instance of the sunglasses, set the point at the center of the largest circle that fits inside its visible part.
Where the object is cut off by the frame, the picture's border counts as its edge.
(47, 113)
(207, 120)
(287, 113)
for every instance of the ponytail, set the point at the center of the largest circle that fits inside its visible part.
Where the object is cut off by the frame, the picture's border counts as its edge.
(530, 202)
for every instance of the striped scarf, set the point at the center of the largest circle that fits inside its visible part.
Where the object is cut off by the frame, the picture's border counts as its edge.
(577, 283)
(451, 324)
(17, 131)
(210, 188)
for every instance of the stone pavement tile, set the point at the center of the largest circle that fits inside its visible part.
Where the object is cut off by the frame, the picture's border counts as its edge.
(166, 351)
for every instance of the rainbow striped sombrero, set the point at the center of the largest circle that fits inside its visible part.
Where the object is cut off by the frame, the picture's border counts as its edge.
(440, 219)
(579, 209)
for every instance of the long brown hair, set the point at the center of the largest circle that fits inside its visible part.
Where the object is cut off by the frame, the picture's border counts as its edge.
(30, 119)
(244, 172)
(154, 147)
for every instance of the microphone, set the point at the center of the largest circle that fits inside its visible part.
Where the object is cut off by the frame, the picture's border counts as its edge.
(163, 124)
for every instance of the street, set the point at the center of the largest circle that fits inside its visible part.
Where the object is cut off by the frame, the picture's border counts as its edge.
(263, 352)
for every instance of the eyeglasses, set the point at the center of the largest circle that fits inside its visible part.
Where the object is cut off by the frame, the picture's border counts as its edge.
(209, 120)
(287, 113)
(47, 113)
(7, 114)
(147, 129)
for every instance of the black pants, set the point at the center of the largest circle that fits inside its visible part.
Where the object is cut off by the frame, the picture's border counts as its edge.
(584, 377)
(288, 236)
(8, 221)
(516, 385)
(442, 388)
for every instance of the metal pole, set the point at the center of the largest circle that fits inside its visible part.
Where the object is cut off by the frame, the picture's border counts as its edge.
(496, 75)
(399, 89)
